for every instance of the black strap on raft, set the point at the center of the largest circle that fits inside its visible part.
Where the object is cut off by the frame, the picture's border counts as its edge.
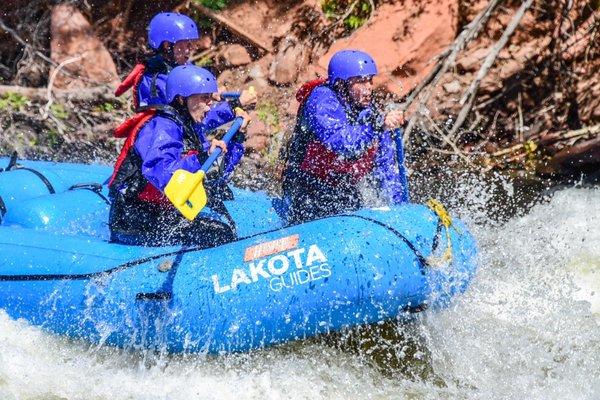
(44, 180)
(423, 263)
(12, 162)
(13, 165)
(130, 264)
(92, 187)
(2, 208)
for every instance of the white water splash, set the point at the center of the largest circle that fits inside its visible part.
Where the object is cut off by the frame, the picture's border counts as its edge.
(527, 328)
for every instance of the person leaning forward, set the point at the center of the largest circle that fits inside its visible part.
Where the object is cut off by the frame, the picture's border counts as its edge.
(161, 141)
(343, 150)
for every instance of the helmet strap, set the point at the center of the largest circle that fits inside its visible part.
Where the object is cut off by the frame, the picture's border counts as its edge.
(167, 52)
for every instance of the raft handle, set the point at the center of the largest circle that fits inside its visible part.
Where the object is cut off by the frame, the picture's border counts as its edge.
(93, 187)
(154, 296)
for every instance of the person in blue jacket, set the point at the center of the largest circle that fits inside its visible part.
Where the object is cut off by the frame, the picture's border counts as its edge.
(343, 149)
(172, 38)
(161, 141)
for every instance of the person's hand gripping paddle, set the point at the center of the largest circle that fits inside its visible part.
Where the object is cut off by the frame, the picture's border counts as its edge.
(186, 189)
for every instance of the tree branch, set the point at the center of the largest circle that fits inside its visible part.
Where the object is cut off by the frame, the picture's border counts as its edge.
(469, 96)
(469, 33)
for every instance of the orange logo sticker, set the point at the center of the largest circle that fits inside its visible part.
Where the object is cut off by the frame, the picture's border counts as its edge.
(275, 246)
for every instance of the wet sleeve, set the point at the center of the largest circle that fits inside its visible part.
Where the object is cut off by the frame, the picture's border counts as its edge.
(160, 146)
(148, 95)
(219, 114)
(390, 170)
(235, 152)
(327, 119)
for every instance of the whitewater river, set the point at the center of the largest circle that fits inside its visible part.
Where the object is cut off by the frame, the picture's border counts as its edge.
(528, 328)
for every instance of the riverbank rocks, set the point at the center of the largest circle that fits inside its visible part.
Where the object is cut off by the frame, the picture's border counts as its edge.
(82, 59)
(290, 59)
(235, 55)
(258, 134)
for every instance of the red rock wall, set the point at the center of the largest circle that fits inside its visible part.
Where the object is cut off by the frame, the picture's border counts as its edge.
(403, 37)
(76, 49)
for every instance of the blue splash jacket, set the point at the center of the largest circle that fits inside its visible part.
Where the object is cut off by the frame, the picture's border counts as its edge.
(326, 117)
(160, 144)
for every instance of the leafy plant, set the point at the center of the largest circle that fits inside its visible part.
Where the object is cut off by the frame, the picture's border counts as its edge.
(353, 22)
(59, 111)
(53, 137)
(12, 100)
(205, 61)
(213, 4)
(355, 12)
(106, 107)
(268, 113)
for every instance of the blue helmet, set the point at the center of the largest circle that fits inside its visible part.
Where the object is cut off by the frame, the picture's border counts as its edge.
(171, 27)
(346, 64)
(187, 80)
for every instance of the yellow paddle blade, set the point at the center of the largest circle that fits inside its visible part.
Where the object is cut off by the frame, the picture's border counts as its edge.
(186, 191)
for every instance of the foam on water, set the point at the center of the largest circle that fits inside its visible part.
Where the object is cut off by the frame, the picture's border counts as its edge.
(527, 328)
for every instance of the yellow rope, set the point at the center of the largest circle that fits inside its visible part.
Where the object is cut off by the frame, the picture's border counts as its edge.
(446, 221)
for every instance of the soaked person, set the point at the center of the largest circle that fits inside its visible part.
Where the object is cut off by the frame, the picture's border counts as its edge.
(343, 149)
(161, 141)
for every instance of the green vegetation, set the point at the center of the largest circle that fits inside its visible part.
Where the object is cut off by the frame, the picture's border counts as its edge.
(13, 101)
(53, 137)
(358, 11)
(531, 155)
(59, 111)
(205, 61)
(213, 4)
(268, 113)
(106, 107)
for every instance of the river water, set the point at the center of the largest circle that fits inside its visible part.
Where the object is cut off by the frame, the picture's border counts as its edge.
(528, 328)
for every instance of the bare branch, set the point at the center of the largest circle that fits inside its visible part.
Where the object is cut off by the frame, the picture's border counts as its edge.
(469, 96)
(469, 33)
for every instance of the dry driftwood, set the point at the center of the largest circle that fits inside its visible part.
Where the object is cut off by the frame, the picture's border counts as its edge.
(577, 44)
(95, 94)
(468, 97)
(552, 138)
(233, 28)
(469, 33)
(577, 156)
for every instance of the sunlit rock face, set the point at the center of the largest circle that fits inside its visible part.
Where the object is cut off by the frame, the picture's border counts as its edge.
(403, 38)
(77, 51)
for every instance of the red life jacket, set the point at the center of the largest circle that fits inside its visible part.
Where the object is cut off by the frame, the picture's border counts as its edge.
(322, 162)
(129, 129)
(128, 165)
(132, 81)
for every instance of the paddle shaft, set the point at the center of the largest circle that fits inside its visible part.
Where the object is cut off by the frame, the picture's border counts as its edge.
(398, 135)
(230, 95)
(233, 129)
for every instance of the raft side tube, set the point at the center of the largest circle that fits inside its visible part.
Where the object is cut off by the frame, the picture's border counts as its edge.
(218, 302)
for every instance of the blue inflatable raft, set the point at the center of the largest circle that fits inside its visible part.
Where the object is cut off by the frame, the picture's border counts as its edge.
(274, 284)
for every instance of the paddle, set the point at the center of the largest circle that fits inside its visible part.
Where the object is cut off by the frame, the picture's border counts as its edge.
(230, 95)
(398, 135)
(235, 95)
(186, 189)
